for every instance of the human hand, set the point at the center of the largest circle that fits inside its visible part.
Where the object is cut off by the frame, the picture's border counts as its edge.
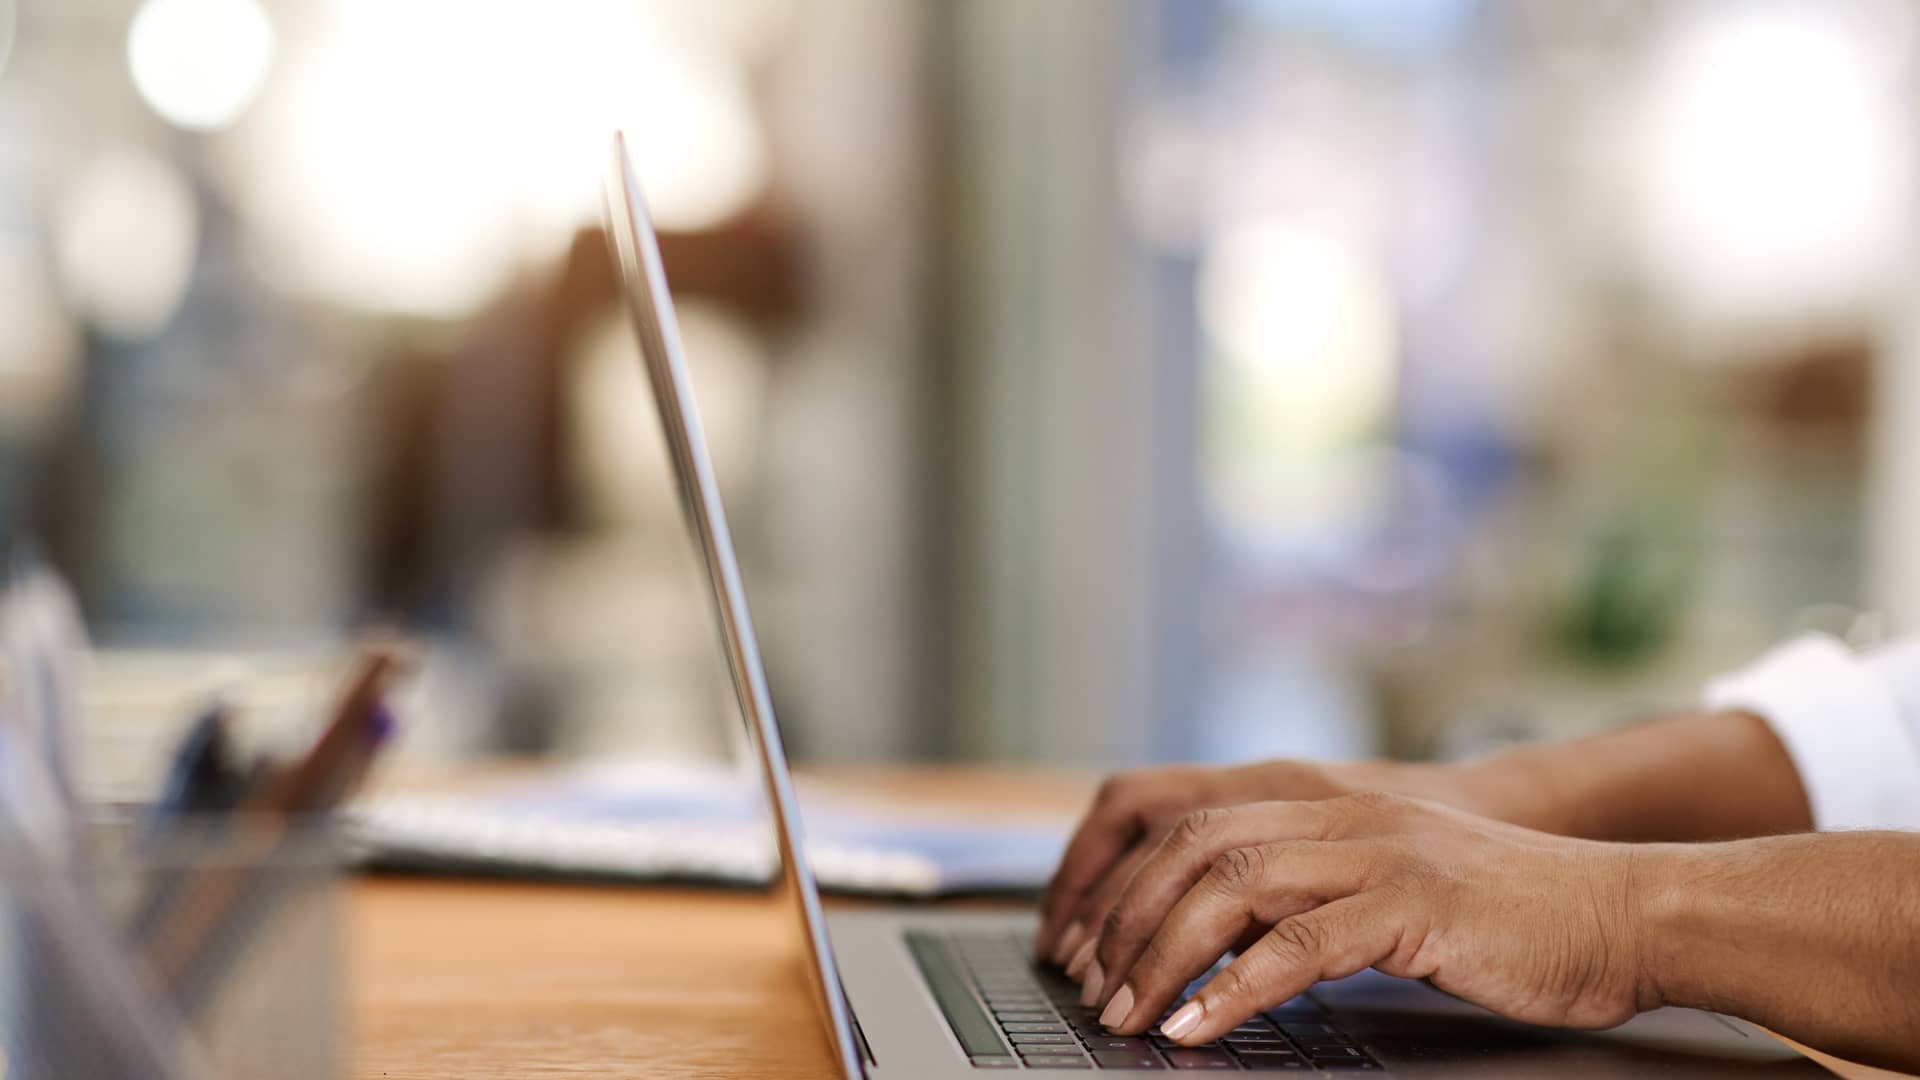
(1135, 811)
(1532, 926)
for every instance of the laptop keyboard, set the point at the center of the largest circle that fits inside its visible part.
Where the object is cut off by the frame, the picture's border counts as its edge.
(1011, 1013)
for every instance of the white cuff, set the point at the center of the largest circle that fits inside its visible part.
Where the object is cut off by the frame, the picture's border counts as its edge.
(1841, 722)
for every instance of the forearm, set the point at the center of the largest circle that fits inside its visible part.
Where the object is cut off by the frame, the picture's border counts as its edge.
(1815, 937)
(1696, 776)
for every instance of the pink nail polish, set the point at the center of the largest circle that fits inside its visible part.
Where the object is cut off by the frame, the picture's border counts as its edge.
(1077, 967)
(1090, 992)
(1118, 1008)
(1182, 1021)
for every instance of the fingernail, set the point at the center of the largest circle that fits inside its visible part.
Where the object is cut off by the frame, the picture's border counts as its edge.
(1090, 992)
(1182, 1021)
(1069, 941)
(1118, 1008)
(1081, 959)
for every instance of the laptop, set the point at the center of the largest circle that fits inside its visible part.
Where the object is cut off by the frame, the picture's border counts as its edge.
(937, 995)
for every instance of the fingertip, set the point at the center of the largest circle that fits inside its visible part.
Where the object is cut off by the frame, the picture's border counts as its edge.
(1184, 1023)
(1081, 958)
(1116, 1011)
(1090, 992)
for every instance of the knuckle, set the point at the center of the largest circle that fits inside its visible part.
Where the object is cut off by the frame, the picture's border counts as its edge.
(1243, 982)
(1405, 859)
(1236, 983)
(1114, 789)
(1239, 868)
(1195, 827)
(1298, 940)
(1375, 806)
(1373, 801)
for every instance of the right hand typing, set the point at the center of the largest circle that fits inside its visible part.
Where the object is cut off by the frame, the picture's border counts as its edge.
(1134, 812)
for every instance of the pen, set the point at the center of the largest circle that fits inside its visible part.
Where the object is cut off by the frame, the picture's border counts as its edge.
(202, 778)
(201, 785)
(213, 911)
(340, 757)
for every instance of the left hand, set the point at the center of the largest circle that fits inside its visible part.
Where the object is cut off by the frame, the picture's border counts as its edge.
(1532, 926)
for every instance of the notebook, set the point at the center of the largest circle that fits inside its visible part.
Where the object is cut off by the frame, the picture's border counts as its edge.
(695, 823)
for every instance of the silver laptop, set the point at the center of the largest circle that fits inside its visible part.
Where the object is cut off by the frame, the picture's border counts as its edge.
(932, 995)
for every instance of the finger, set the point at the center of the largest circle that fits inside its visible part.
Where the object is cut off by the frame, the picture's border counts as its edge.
(1187, 853)
(1328, 942)
(1113, 829)
(1245, 887)
(1077, 963)
(1090, 916)
(1111, 826)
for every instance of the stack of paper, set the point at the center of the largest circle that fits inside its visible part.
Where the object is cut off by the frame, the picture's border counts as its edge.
(689, 823)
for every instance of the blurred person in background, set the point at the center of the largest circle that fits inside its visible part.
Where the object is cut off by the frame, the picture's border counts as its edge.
(1671, 863)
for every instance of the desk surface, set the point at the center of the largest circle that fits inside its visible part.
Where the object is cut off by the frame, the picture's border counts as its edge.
(478, 980)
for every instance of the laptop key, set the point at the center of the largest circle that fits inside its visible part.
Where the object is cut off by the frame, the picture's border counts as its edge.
(1333, 1053)
(1059, 1063)
(1034, 1029)
(1347, 1064)
(1199, 1058)
(1023, 1016)
(1091, 1028)
(1127, 1059)
(1118, 1042)
(1274, 1063)
(1044, 1040)
(1298, 1029)
(1272, 1042)
(994, 1063)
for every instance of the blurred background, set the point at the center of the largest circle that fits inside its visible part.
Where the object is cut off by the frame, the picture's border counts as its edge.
(1103, 381)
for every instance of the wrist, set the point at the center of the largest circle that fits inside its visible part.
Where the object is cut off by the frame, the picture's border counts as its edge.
(1669, 937)
(1518, 786)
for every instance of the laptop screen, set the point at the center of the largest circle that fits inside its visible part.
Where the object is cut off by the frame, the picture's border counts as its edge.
(645, 284)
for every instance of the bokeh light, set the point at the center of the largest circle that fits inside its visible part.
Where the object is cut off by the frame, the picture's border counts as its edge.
(1767, 159)
(126, 232)
(1302, 330)
(384, 181)
(199, 63)
(1308, 319)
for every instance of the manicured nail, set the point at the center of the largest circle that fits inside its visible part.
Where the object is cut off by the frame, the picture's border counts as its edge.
(1090, 992)
(1118, 1008)
(1182, 1021)
(1069, 941)
(1078, 965)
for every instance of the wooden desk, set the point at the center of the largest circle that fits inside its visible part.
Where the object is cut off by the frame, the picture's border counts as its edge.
(481, 980)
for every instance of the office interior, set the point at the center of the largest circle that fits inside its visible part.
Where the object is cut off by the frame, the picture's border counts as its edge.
(1091, 383)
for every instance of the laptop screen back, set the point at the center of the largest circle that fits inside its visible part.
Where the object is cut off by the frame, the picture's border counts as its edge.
(645, 284)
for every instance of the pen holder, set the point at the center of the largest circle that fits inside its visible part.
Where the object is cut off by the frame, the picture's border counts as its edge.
(207, 955)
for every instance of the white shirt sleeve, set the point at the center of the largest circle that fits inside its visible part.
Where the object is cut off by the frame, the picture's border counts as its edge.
(1850, 722)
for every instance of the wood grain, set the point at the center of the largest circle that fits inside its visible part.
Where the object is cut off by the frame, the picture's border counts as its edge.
(478, 980)
(497, 979)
